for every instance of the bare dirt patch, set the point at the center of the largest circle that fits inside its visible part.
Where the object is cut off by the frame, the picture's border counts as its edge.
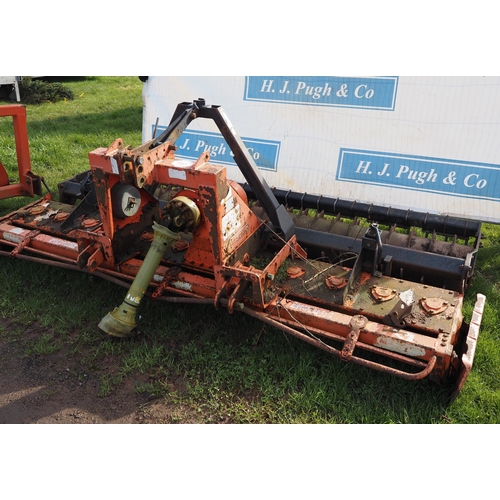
(57, 388)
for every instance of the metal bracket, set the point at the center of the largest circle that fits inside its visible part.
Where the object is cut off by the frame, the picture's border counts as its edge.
(24, 242)
(356, 324)
(401, 310)
(369, 258)
(168, 277)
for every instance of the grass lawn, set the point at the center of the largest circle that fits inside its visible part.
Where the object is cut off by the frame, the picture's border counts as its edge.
(231, 366)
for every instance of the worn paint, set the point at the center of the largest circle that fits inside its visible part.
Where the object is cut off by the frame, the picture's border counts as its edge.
(401, 346)
(46, 215)
(182, 285)
(12, 238)
(229, 201)
(177, 174)
(231, 223)
(16, 230)
(182, 163)
(63, 243)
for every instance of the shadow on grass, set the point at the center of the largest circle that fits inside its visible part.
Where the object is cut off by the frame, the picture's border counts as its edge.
(234, 365)
(218, 363)
(67, 79)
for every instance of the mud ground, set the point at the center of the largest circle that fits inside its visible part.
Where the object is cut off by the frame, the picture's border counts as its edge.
(54, 389)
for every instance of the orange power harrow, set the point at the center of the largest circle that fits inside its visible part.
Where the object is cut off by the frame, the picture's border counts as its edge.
(180, 231)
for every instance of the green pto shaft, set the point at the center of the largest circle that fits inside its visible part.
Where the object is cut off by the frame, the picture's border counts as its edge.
(121, 322)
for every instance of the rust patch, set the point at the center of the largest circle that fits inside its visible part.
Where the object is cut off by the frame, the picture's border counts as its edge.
(416, 317)
(60, 216)
(335, 282)
(90, 223)
(356, 324)
(382, 293)
(295, 272)
(180, 246)
(434, 305)
(37, 210)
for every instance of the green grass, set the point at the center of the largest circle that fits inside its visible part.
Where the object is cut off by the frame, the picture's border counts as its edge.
(61, 134)
(226, 368)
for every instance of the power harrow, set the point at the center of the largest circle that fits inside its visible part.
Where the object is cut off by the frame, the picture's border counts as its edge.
(371, 285)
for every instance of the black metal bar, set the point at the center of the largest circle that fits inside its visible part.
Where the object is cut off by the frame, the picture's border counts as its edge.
(184, 114)
(277, 213)
(383, 215)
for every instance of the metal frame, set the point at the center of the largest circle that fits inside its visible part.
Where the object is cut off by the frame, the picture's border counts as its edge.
(29, 184)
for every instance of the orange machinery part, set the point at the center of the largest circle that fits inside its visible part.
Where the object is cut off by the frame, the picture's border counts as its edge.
(28, 184)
